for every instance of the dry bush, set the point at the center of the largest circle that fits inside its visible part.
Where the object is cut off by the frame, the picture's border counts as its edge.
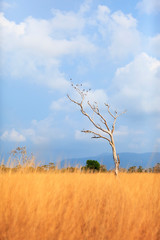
(79, 206)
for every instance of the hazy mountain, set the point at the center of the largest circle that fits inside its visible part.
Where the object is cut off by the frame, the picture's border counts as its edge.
(127, 160)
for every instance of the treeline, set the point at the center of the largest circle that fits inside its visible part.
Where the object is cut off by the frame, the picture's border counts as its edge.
(92, 166)
(20, 161)
(155, 169)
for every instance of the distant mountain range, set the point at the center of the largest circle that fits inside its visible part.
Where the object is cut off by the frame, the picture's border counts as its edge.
(127, 160)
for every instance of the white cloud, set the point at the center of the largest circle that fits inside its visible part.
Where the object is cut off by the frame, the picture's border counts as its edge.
(103, 14)
(154, 45)
(43, 131)
(85, 6)
(34, 136)
(38, 46)
(13, 136)
(5, 5)
(98, 95)
(60, 104)
(125, 38)
(66, 23)
(119, 31)
(149, 6)
(137, 85)
(39, 133)
(124, 20)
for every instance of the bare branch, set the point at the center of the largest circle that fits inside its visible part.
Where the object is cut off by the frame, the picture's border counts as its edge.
(96, 110)
(113, 127)
(86, 114)
(118, 158)
(115, 117)
(122, 113)
(73, 100)
(97, 135)
(109, 110)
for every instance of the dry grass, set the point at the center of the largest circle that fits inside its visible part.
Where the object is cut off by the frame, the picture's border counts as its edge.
(74, 206)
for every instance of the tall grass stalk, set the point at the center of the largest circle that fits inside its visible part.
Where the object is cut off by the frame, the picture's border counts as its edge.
(79, 206)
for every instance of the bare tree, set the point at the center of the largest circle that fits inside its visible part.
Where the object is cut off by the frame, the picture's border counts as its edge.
(103, 132)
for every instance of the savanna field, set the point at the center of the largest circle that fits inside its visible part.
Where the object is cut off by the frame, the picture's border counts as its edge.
(79, 206)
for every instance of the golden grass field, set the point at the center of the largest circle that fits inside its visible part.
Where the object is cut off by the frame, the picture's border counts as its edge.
(79, 206)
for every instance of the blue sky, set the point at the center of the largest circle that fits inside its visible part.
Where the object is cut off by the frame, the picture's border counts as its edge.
(112, 47)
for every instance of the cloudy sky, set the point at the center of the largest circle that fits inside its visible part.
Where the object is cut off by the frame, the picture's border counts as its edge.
(112, 47)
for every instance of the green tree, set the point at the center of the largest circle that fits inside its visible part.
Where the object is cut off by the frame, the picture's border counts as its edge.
(93, 164)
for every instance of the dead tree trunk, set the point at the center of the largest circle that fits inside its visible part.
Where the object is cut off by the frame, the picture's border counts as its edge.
(104, 132)
(115, 156)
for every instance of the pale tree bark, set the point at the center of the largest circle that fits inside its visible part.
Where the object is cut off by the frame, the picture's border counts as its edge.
(104, 131)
